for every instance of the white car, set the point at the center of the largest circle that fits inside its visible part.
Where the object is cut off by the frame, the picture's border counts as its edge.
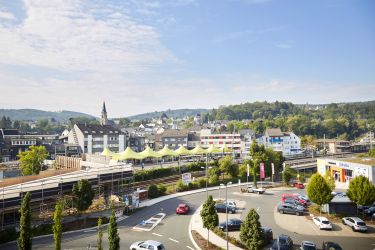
(231, 204)
(322, 222)
(355, 223)
(148, 244)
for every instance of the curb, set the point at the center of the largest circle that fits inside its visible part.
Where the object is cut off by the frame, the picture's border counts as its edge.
(190, 234)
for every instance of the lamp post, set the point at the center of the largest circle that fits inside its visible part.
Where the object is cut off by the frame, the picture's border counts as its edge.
(206, 179)
(226, 208)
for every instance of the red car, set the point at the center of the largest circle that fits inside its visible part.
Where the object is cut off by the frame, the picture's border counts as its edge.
(182, 209)
(298, 185)
(292, 196)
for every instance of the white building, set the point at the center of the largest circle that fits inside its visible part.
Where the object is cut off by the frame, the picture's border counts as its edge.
(286, 142)
(232, 141)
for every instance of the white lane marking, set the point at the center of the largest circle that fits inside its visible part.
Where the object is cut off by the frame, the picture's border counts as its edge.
(157, 234)
(193, 248)
(174, 240)
(88, 231)
(258, 208)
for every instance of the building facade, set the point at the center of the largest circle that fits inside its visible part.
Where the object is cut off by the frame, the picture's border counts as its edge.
(232, 141)
(345, 169)
(174, 138)
(286, 142)
(93, 139)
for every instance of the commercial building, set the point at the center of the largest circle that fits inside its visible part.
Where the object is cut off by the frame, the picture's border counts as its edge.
(232, 141)
(345, 169)
(286, 142)
(334, 146)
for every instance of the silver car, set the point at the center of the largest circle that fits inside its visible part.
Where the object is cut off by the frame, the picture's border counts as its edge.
(355, 223)
(148, 244)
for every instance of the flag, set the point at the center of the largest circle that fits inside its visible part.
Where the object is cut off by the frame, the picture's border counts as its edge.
(283, 166)
(262, 173)
(273, 168)
(248, 170)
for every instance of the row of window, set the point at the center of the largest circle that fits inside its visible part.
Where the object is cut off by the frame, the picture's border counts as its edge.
(101, 132)
(23, 142)
(220, 137)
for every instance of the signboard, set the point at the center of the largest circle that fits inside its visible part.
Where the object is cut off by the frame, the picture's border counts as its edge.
(186, 178)
(262, 173)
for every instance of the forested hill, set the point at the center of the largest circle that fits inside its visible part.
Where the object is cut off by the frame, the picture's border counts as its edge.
(176, 113)
(35, 114)
(267, 110)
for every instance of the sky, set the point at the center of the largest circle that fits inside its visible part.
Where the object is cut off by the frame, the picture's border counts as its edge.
(143, 56)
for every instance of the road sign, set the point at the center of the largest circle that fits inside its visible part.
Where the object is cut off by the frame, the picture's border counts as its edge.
(186, 178)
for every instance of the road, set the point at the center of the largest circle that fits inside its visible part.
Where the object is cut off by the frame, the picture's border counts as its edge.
(173, 230)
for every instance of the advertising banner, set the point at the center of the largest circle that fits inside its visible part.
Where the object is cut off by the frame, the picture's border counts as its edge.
(262, 173)
(273, 168)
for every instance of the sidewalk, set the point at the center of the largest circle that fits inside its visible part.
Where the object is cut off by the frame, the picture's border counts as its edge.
(197, 225)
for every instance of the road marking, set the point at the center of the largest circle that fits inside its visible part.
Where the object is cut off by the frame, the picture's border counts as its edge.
(88, 231)
(174, 240)
(157, 234)
(190, 247)
(258, 208)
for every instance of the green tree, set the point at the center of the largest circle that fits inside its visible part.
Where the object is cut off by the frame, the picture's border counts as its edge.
(57, 226)
(82, 195)
(319, 191)
(361, 191)
(209, 216)
(371, 152)
(153, 191)
(286, 175)
(330, 181)
(24, 241)
(100, 234)
(258, 155)
(32, 160)
(251, 235)
(226, 165)
(113, 236)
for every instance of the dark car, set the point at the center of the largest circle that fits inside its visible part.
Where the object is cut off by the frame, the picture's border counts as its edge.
(283, 242)
(268, 234)
(222, 208)
(370, 211)
(233, 225)
(286, 208)
(331, 246)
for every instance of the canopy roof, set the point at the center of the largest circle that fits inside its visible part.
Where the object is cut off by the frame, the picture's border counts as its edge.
(182, 151)
(108, 152)
(198, 150)
(149, 152)
(211, 149)
(166, 152)
(129, 154)
(224, 148)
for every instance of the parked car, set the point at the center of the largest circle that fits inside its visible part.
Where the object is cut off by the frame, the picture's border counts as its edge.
(308, 245)
(294, 202)
(322, 222)
(369, 211)
(268, 234)
(283, 242)
(331, 246)
(303, 197)
(221, 208)
(355, 223)
(251, 189)
(148, 244)
(298, 185)
(182, 209)
(233, 225)
(294, 197)
(231, 204)
(361, 208)
(290, 209)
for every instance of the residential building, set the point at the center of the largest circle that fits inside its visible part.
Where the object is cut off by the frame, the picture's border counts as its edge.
(174, 138)
(286, 142)
(93, 139)
(368, 138)
(247, 138)
(231, 140)
(345, 169)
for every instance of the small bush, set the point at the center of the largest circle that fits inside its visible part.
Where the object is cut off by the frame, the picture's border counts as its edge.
(214, 180)
(201, 182)
(162, 189)
(180, 186)
(153, 191)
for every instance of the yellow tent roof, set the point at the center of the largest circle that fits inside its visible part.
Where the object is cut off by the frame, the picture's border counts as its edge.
(166, 152)
(211, 149)
(198, 150)
(149, 152)
(108, 152)
(129, 154)
(182, 151)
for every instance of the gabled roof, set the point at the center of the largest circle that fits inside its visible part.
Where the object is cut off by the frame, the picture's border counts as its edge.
(98, 129)
(175, 133)
(8, 131)
(274, 132)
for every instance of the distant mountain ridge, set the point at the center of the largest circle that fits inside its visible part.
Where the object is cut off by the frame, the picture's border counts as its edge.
(176, 113)
(36, 114)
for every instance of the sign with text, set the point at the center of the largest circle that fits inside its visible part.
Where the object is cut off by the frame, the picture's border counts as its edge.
(186, 178)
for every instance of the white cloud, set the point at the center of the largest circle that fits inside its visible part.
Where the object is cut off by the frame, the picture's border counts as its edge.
(80, 35)
(7, 15)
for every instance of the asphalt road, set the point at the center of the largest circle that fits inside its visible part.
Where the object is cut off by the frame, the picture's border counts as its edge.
(173, 230)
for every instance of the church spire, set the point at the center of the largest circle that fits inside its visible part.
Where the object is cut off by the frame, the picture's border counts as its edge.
(103, 118)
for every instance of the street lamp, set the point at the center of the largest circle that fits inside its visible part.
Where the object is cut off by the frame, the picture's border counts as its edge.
(226, 207)
(206, 179)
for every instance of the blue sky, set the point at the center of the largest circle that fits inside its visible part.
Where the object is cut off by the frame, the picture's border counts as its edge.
(141, 56)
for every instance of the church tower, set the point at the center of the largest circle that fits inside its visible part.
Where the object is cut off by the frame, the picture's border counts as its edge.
(103, 118)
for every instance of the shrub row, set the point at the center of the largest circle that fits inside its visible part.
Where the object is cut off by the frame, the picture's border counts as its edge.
(156, 191)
